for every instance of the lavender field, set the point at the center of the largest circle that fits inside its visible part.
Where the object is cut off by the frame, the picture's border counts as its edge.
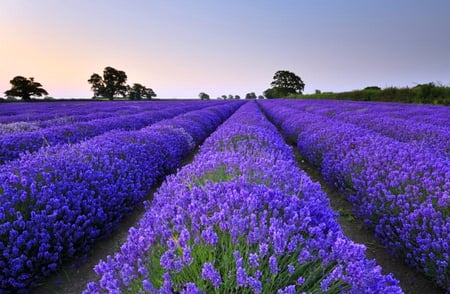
(241, 217)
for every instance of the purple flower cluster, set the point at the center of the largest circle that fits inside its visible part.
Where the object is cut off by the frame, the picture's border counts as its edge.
(399, 189)
(33, 121)
(12, 145)
(46, 113)
(240, 218)
(56, 202)
(405, 123)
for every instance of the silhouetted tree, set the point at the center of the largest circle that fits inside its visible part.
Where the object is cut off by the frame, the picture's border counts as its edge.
(25, 88)
(203, 96)
(97, 85)
(250, 95)
(237, 97)
(149, 93)
(139, 92)
(284, 84)
(111, 84)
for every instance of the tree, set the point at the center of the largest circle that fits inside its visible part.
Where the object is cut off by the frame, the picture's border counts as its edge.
(111, 84)
(250, 95)
(203, 96)
(284, 84)
(25, 88)
(149, 93)
(276, 93)
(97, 84)
(139, 92)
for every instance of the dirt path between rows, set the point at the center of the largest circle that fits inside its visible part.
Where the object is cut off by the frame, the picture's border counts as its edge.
(411, 281)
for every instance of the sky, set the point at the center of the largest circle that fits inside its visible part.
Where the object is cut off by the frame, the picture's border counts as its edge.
(181, 48)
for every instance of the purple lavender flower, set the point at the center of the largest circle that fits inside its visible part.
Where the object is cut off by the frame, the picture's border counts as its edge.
(147, 285)
(263, 249)
(210, 273)
(255, 284)
(253, 260)
(210, 236)
(287, 290)
(241, 276)
(300, 281)
(238, 258)
(291, 269)
(191, 288)
(167, 284)
(273, 265)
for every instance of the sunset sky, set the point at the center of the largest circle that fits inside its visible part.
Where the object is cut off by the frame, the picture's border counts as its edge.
(180, 48)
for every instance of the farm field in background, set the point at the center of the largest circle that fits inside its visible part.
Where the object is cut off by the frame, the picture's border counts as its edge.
(241, 216)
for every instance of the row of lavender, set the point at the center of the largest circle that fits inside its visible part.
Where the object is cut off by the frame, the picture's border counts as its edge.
(242, 218)
(399, 189)
(43, 115)
(32, 123)
(55, 203)
(13, 144)
(44, 111)
(429, 114)
(429, 126)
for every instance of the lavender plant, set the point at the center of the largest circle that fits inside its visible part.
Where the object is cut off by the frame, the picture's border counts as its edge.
(14, 144)
(241, 218)
(399, 189)
(56, 203)
(404, 123)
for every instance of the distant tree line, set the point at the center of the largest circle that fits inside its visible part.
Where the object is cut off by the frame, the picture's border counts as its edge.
(429, 93)
(112, 84)
(285, 84)
(251, 95)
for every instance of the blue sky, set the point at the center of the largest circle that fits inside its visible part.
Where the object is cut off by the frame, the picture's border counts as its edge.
(180, 48)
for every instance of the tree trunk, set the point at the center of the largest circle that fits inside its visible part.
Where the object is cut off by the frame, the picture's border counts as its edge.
(26, 97)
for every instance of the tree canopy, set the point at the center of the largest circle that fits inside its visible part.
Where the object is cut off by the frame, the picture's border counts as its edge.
(139, 92)
(250, 95)
(112, 83)
(203, 96)
(25, 88)
(285, 83)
